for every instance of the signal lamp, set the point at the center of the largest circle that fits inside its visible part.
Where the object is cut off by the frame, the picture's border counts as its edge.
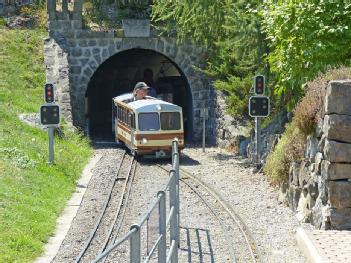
(259, 84)
(49, 93)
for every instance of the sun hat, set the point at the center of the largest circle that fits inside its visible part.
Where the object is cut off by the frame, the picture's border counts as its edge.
(141, 85)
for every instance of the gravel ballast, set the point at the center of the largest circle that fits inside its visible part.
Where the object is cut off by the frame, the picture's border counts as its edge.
(272, 225)
(202, 236)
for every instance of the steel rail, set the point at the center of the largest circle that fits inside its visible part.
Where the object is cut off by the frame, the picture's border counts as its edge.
(233, 215)
(232, 253)
(236, 218)
(93, 232)
(123, 203)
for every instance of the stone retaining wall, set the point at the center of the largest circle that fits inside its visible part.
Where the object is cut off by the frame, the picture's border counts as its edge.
(319, 187)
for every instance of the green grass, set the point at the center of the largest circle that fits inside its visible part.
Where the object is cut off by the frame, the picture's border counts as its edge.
(32, 194)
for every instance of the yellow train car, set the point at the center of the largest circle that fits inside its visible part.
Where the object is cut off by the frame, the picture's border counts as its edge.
(147, 126)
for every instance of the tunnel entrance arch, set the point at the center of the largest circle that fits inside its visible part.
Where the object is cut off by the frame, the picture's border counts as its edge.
(118, 75)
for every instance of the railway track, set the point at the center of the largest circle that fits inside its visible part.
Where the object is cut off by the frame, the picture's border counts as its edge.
(194, 184)
(110, 219)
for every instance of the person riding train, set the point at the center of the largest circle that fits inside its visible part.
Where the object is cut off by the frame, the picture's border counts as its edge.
(140, 91)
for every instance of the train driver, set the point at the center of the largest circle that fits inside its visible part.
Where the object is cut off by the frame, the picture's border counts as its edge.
(140, 91)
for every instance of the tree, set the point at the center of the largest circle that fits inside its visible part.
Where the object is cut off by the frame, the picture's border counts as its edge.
(305, 38)
(230, 31)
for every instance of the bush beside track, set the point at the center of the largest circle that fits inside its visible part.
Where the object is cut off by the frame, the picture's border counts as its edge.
(32, 194)
(307, 113)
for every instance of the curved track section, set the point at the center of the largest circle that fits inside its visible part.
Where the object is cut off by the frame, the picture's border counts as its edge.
(112, 210)
(195, 184)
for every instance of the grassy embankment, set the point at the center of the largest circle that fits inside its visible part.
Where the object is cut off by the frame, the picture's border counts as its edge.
(32, 194)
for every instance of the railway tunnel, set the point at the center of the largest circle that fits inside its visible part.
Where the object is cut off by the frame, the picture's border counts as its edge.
(118, 75)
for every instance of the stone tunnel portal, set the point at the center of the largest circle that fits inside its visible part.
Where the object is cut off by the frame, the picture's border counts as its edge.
(120, 73)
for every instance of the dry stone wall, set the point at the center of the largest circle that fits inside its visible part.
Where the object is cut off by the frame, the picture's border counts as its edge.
(319, 187)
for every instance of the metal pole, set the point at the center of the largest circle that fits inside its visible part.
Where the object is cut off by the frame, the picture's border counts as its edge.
(135, 244)
(51, 144)
(162, 249)
(257, 139)
(176, 168)
(203, 133)
(174, 220)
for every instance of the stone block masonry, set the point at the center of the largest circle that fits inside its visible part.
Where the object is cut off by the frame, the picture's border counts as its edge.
(73, 54)
(320, 187)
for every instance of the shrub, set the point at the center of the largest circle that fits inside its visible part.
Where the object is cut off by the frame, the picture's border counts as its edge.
(290, 147)
(306, 114)
(37, 12)
(2, 22)
(311, 107)
(237, 90)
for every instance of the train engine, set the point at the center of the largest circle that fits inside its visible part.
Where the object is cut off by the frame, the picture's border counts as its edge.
(147, 126)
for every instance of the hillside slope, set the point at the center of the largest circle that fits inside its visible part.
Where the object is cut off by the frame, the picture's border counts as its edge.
(32, 193)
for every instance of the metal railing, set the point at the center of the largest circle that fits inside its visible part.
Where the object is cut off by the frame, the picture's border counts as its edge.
(164, 221)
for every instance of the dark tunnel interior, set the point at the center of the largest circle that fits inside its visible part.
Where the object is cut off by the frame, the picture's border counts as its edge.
(119, 74)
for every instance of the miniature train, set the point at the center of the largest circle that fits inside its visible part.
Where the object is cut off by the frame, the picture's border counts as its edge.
(148, 126)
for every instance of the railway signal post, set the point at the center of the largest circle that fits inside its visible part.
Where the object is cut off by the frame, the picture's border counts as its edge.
(204, 116)
(259, 107)
(50, 117)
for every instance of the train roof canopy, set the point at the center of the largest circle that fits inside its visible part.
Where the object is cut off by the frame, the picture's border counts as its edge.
(149, 104)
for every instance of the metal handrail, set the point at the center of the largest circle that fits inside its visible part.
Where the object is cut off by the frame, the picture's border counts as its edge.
(171, 176)
(146, 216)
(118, 242)
(153, 249)
(170, 215)
(171, 250)
(172, 220)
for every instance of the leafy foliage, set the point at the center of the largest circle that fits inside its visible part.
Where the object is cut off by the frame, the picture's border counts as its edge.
(237, 90)
(107, 14)
(305, 37)
(299, 39)
(230, 31)
(38, 12)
